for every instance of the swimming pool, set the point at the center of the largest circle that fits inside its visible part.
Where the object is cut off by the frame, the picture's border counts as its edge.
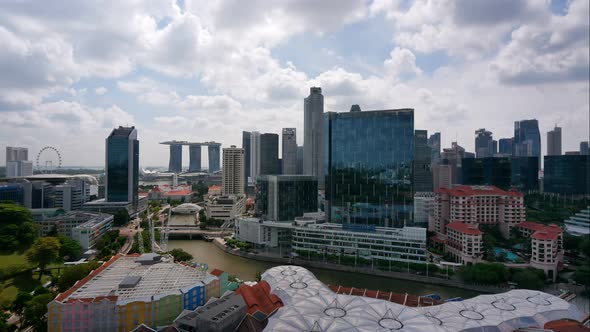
(510, 256)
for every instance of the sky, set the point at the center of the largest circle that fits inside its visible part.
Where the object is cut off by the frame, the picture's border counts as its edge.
(70, 71)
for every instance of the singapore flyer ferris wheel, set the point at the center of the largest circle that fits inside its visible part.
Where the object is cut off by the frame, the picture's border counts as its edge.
(48, 159)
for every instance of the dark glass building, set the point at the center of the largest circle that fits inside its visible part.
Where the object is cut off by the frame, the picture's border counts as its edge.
(175, 163)
(122, 165)
(487, 171)
(527, 139)
(422, 162)
(213, 153)
(525, 173)
(246, 139)
(567, 174)
(368, 160)
(284, 197)
(434, 143)
(269, 154)
(505, 146)
(12, 193)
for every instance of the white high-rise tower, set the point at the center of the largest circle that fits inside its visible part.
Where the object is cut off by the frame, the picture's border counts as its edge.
(313, 135)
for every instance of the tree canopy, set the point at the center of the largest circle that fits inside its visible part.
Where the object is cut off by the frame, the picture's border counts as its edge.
(17, 228)
(70, 249)
(74, 273)
(180, 255)
(43, 252)
(121, 218)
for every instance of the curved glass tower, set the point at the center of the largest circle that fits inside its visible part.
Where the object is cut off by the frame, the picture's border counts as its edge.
(122, 165)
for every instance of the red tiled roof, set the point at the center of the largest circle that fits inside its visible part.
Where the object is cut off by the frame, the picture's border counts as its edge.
(183, 192)
(565, 325)
(533, 226)
(438, 239)
(217, 272)
(477, 191)
(544, 235)
(259, 298)
(464, 228)
(214, 187)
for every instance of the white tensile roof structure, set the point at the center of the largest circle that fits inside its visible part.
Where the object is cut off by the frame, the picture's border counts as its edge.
(312, 306)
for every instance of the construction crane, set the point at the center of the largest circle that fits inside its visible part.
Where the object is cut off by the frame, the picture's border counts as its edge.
(165, 231)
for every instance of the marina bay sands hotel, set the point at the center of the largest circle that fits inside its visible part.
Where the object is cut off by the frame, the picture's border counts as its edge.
(194, 149)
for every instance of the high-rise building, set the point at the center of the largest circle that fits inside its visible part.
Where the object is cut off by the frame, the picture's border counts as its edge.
(17, 163)
(194, 151)
(313, 135)
(369, 156)
(484, 144)
(285, 197)
(527, 139)
(246, 139)
(525, 173)
(214, 162)
(441, 176)
(71, 195)
(422, 162)
(232, 180)
(554, 142)
(269, 154)
(175, 164)
(488, 205)
(505, 146)
(122, 165)
(453, 157)
(299, 159)
(584, 148)
(567, 175)
(434, 143)
(254, 155)
(289, 151)
(487, 171)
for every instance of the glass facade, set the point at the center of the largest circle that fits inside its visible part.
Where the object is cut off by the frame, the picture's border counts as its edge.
(487, 171)
(285, 197)
(213, 153)
(422, 162)
(269, 154)
(368, 163)
(122, 165)
(525, 173)
(567, 174)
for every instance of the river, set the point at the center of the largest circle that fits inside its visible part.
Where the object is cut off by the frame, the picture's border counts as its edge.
(245, 269)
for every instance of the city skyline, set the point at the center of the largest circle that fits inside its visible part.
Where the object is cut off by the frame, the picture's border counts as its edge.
(251, 74)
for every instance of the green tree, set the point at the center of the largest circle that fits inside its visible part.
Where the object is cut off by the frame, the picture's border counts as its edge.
(528, 278)
(202, 216)
(180, 255)
(19, 304)
(74, 273)
(582, 276)
(585, 247)
(43, 252)
(4, 326)
(17, 228)
(53, 231)
(70, 249)
(121, 218)
(35, 312)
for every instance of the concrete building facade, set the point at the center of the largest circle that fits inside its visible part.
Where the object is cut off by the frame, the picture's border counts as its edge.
(464, 242)
(313, 135)
(233, 182)
(554, 142)
(289, 151)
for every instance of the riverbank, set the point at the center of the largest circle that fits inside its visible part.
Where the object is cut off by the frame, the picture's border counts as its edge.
(219, 243)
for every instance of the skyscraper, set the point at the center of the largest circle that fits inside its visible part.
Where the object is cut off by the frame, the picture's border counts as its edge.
(175, 164)
(369, 157)
(254, 155)
(269, 154)
(505, 146)
(232, 180)
(422, 162)
(122, 165)
(527, 139)
(17, 163)
(246, 146)
(554, 142)
(453, 157)
(213, 153)
(567, 175)
(194, 151)
(313, 135)
(285, 197)
(299, 160)
(434, 143)
(484, 143)
(289, 151)
(584, 148)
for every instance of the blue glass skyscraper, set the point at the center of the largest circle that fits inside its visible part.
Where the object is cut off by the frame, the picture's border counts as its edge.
(368, 161)
(527, 139)
(122, 165)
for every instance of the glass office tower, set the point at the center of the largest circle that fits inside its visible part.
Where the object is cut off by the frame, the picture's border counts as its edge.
(487, 171)
(368, 160)
(122, 165)
(567, 175)
(285, 197)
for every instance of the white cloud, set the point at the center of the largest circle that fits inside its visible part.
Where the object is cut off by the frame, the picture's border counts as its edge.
(101, 90)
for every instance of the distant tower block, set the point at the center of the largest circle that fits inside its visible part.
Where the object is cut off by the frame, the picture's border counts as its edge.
(175, 164)
(214, 150)
(195, 157)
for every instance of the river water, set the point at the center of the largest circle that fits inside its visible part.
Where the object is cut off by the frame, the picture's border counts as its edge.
(245, 269)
